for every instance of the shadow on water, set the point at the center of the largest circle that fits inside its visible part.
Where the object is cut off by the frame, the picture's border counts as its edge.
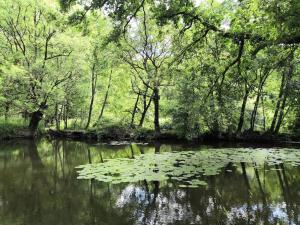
(38, 185)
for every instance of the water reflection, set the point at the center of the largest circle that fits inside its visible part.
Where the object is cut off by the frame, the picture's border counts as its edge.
(38, 185)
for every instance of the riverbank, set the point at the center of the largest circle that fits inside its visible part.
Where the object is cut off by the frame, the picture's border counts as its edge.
(115, 134)
(17, 129)
(144, 135)
(124, 134)
(13, 130)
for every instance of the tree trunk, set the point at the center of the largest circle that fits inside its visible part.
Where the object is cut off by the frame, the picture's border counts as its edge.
(242, 113)
(94, 83)
(262, 81)
(264, 112)
(156, 111)
(146, 107)
(142, 118)
(284, 98)
(57, 123)
(134, 111)
(105, 100)
(6, 112)
(66, 111)
(36, 117)
(274, 120)
(215, 129)
(60, 115)
(90, 111)
(254, 112)
(66, 116)
(281, 114)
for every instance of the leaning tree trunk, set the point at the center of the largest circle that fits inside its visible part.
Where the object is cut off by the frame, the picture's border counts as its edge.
(242, 113)
(145, 110)
(279, 110)
(104, 101)
(262, 82)
(90, 112)
(134, 111)
(285, 95)
(156, 111)
(281, 114)
(254, 112)
(280, 97)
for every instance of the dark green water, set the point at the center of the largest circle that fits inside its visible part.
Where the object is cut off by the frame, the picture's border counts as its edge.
(39, 186)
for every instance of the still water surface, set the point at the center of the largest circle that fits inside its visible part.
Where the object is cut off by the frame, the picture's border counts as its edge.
(39, 186)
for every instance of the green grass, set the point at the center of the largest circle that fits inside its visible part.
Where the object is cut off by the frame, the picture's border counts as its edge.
(10, 127)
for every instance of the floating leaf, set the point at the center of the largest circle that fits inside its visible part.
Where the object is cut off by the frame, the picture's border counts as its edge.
(189, 168)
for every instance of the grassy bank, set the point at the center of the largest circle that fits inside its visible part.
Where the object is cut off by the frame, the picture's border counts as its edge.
(15, 128)
(11, 128)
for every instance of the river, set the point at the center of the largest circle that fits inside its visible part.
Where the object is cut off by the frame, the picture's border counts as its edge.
(41, 184)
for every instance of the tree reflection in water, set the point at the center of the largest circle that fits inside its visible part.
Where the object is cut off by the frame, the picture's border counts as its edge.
(38, 185)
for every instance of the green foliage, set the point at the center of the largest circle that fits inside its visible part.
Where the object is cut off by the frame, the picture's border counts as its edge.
(194, 66)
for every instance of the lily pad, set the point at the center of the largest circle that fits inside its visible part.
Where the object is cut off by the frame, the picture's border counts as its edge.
(189, 168)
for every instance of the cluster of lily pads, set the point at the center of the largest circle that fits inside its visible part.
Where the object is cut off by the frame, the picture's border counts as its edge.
(189, 168)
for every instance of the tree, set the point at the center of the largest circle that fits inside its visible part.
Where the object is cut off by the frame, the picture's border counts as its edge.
(148, 55)
(34, 37)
